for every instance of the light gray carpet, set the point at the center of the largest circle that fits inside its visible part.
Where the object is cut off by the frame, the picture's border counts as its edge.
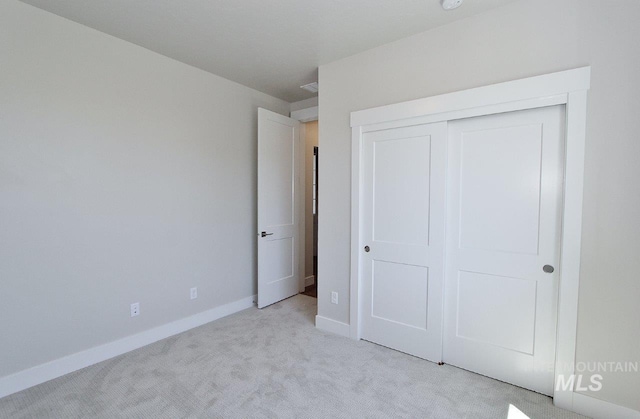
(272, 363)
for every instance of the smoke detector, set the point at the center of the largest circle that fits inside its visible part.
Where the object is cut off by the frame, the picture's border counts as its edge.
(450, 4)
(311, 87)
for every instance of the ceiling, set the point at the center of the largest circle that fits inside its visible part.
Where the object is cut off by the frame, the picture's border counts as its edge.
(273, 46)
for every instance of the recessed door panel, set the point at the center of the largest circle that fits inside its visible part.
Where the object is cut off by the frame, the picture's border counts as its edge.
(400, 293)
(278, 166)
(280, 253)
(401, 212)
(497, 310)
(497, 164)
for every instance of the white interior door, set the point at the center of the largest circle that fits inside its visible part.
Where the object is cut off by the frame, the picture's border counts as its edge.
(280, 233)
(503, 240)
(403, 230)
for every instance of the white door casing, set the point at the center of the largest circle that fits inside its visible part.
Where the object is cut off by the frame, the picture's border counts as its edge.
(403, 231)
(280, 232)
(503, 226)
(567, 88)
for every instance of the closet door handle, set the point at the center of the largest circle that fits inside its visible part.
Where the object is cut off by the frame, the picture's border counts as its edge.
(265, 234)
(367, 249)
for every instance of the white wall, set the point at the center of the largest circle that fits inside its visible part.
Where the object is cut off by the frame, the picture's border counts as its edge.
(124, 176)
(522, 39)
(304, 104)
(305, 110)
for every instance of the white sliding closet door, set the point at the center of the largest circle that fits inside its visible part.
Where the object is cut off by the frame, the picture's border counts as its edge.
(403, 238)
(505, 181)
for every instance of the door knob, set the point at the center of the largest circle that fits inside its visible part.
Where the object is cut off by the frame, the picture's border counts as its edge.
(265, 234)
(548, 269)
(367, 248)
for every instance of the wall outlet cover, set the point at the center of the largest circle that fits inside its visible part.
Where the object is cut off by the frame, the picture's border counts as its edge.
(135, 309)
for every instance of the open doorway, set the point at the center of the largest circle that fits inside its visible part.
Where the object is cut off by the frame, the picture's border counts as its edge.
(311, 208)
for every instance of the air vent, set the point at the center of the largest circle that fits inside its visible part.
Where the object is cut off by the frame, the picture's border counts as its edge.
(311, 87)
(450, 4)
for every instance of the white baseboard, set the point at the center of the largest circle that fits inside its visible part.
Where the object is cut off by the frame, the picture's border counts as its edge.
(310, 280)
(39, 374)
(600, 409)
(333, 326)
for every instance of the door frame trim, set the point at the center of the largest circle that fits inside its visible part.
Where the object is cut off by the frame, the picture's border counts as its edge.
(567, 88)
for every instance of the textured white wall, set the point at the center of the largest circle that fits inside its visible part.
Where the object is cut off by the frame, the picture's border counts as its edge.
(522, 39)
(124, 176)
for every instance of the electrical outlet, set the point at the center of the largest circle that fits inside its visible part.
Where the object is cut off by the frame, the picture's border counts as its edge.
(194, 293)
(135, 309)
(334, 297)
